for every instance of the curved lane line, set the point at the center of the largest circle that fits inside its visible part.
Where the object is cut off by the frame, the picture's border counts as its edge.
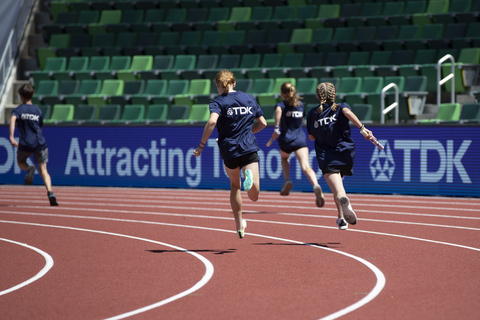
(372, 294)
(206, 277)
(45, 269)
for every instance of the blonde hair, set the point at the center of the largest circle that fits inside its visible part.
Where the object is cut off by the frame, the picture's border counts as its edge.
(326, 93)
(225, 78)
(290, 93)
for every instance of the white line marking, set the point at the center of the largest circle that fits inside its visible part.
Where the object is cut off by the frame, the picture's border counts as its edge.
(45, 269)
(380, 284)
(206, 277)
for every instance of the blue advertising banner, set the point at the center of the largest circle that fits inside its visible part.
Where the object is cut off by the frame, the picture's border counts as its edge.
(420, 160)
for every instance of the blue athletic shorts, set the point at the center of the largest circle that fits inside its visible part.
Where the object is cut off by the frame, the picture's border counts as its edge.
(241, 161)
(346, 170)
(38, 157)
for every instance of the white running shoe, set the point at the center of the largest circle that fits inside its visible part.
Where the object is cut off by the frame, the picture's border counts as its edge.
(319, 198)
(248, 183)
(348, 212)
(287, 186)
(342, 224)
(241, 232)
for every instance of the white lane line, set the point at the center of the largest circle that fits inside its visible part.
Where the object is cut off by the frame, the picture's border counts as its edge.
(45, 269)
(224, 218)
(206, 277)
(380, 284)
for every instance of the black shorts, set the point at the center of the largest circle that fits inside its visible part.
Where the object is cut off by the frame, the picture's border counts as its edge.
(38, 157)
(241, 161)
(346, 170)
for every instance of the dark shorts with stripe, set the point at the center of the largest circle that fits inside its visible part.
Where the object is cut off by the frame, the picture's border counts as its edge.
(345, 170)
(241, 161)
(38, 157)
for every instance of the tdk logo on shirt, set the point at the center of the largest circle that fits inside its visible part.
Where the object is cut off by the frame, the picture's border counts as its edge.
(29, 116)
(239, 110)
(295, 114)
(325, 121)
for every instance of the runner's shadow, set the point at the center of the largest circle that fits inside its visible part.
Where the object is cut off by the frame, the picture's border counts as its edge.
(204, 250)
(323, 245)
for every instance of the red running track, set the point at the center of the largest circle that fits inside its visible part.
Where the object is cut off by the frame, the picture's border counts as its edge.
(174, 254)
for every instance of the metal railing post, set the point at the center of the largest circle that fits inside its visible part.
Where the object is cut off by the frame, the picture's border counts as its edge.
(390, 107)
(440, 82)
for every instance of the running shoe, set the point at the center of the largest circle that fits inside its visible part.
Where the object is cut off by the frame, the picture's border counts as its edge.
(52, 199)
(342, 224)
(287, 186)
(29, 176)
(248, 183)
(319, 198)
(348, 212)
(241, 232)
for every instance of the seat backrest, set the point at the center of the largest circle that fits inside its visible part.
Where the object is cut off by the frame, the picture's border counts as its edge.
(313, 59)
(78, 64)
(256, 36)
(473, 30)
(350, 85)
(416, 83)
(351, 10)
(272, 60)
(126, 39)
(260, 13)
(85, 112)
(169, 38)
(371, 9)
(293, 60)
(283, 12)
(393, 8)
(67, 87)
(398, 80)
(306, 85)
(326, 11)
(157, 112)
(409, 32)
(343, 34)
(240, 14)
(381, 58)
(212, 38)
(99, 63)
(412, 7)
(470, 55)
(449, 111)
(199, 86)
(199, 112)
(336, 81)
(133, 87)
(336, 58)
(263, 86)
(400, 57)
(87, 16)
(142, 63)
(120, 63)
(234, 37)
(55, 64)
(185, 62)
(59, 41)
(178, 112)
(156, 87)
(386, 33)
(62, 112)
(109, 112)
(190, 38)
(133, 112)
(196, 14)
(177, 87)
(110, 17)
(112, 87)
(229, 61)
(244, 85)
(438, 6)
(88, 87)
(305, 12)
(207, 61)
(132, 16)
(372, 85)
(218, 14)
(432, 31)
(46, 111)
(303, 35)
(363, 111)
(425, 56)
(322, 35)
(251, 60)
(163, 62)
(47, 87)
(455, 30)
(365, 33)
(458, 6)
(279, 35)
(358, 58)
(268, 111)
(103, 40)
(470, 111)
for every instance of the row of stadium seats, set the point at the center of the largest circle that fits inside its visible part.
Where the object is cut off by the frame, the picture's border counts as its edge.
(199, 113)
(271, 65)
(353, 90)
(269, 17)
(435, 36)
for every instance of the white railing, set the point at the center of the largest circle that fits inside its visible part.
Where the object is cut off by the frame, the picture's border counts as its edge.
(390, 107)
(451, 76)
(6, 63)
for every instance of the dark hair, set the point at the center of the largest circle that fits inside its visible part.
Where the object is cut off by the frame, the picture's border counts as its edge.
(290, 93)
(26, 91)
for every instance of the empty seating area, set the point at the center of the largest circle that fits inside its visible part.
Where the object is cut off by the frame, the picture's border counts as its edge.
(154, 61)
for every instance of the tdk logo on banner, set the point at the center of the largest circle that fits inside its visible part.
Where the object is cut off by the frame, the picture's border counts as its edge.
(382, 164)
(239, 110)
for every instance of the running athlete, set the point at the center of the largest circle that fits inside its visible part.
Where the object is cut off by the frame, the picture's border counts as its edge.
(291, 138)
(329, 126)
(233, 113)
(30, 122)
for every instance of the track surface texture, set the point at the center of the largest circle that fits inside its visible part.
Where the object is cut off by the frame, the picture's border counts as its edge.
(174, 254)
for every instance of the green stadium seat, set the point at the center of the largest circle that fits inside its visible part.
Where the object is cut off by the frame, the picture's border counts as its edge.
(262, 86)
(61, 112)
(320, 42)
(429, 32)
(237, 14)
(290, 60)
(154, 87)
(390, 9)
(109, 88)
(130, 88)
(370, 85)
(231, 38)
(139, 63)
(194, 15)
(156, 113)
(129, 18)
(151, 17)
(108, 113)
(160, 63)
(209, 38)
(52, 66)
(363, 112)
(384, 33)
(434, 8)
(411, 8)
(247, 46)
(369, 9)
(197, 87)
(377, 58)
(325, 11)
(249, 61)
(84, 18)
(299, 36)
(116, 63)
(269, 113)
(466, 69)
(87, 87)
(107, 18)
(306, 88)
(178, 112)
(46, 111)
(182, 62)
(100, 41)
(175, 87)
(123, 40)
(399, 58)
(274, 37)
(356, 58)
(227, 61)
(270, 60)
(214, 15)
(348, 10)
(351, 85)
(100, 63)
(446, 112)
(76, 64)
(470, 113)
(311, 60)
(245, 85)
(332, 60)
(65, 88)
(85, 113)
(280, 14)
(204, 62)
(132, 113)
(198, 113)
(44, 88)
(405, 33)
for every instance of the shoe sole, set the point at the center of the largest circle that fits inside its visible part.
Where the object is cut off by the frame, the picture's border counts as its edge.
(53, 200)
(241, 233)
(286, 188)
(320, 199)
(342, 227)
(348, 214)
(248, 183)
(29, 176)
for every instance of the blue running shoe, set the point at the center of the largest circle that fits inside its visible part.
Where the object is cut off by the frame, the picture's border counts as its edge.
(248, 183)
